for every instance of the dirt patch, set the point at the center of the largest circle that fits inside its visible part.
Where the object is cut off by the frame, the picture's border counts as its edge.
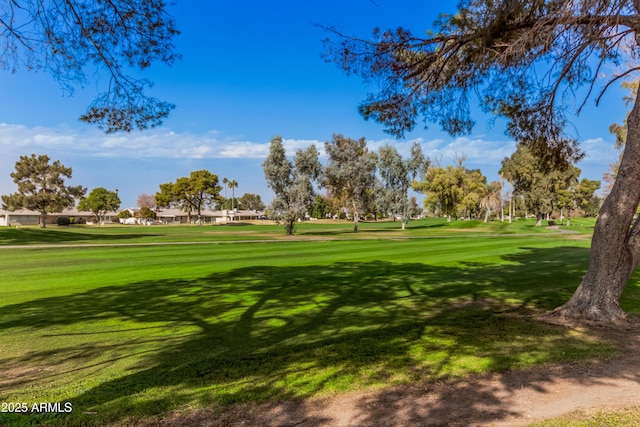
(512, 398)
(20, 374)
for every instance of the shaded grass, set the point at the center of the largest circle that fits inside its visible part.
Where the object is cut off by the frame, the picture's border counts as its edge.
(138, 331)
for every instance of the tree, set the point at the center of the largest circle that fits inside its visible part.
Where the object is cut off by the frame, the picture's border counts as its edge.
(191, 193)
(146, 201)
(524, 59)
(147, 214)
(397, 175)
(64, 38)
(491, 198)
(41, 187)
(251, 202)
(586, 198)
(620, 132)
(292, 182)
(225, 182)
(350, 172)
(445, 189)
(321, 207)
(474, 186)
(99, 202)
(232, 184)
(539, 184)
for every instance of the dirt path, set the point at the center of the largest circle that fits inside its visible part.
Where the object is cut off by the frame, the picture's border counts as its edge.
(509, 399)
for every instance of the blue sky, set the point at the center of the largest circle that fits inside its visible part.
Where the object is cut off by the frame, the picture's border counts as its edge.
(250, 70)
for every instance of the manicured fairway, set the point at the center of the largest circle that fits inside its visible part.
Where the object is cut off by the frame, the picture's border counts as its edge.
(137, 331)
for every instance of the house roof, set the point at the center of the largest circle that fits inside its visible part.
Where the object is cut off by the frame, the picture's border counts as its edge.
(169, 213)
(65, 212)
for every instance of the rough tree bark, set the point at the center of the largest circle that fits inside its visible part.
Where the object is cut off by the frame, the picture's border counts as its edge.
(615, 248)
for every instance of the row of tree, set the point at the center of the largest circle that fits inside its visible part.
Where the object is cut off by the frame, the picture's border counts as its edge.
(357, 181)
(41, 187)
(362, 182)
(349, 177)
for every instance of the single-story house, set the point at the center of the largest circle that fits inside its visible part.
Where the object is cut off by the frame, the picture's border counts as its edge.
(177, 216)
(164, 216)
(30, 217)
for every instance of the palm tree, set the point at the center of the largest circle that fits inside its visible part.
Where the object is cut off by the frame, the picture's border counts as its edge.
(225, 181)
(232, 184)
(491, 198)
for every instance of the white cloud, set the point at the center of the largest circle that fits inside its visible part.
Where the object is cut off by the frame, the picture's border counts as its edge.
(164, 143)
(244, 150)
(599, 151)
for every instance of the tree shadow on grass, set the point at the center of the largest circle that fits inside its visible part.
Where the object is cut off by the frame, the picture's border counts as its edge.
(263, 333)
(51, 235)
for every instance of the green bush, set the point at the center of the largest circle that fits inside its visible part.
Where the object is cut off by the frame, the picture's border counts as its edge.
(63, 220)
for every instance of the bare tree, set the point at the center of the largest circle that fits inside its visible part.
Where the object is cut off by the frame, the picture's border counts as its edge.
(67, 38)
(525, 59)
(146, 201)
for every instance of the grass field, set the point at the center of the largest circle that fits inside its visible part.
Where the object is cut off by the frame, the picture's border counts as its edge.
(147, 323)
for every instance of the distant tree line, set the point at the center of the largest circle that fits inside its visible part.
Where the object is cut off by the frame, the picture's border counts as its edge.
(358, 184)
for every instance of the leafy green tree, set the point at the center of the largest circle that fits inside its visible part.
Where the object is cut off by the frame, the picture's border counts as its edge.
(445, 189)
(41, 187)
(146, 213)
(124, 214)
(540, 185)
(292, 182)
(64, 37)
(251, 201)
(99, 202)
(321, 207)
(474, 185)
(397, 175)
(226, 204)
(586, 198)
(350, 172)
(191, 194)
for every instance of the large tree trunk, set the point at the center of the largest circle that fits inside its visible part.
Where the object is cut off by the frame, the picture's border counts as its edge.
(539, 217)
(43, 219)
(615, 248)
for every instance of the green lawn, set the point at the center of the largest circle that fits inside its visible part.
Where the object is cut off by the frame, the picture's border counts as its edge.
(136, 331)
(127, 235)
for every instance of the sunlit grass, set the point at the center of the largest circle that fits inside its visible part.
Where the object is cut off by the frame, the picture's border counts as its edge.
(617, 417)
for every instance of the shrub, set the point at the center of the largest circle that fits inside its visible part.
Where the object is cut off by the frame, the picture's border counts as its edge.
(63, 220)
